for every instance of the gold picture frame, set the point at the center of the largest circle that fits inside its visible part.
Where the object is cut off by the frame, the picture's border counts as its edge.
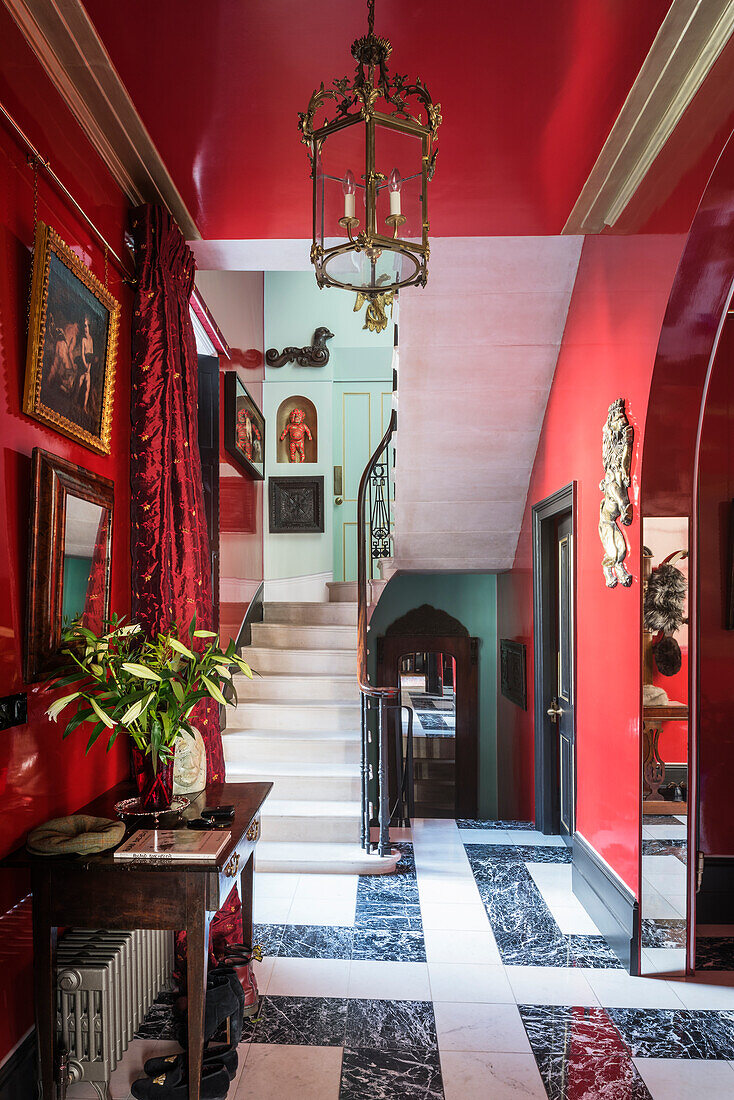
(72, 345)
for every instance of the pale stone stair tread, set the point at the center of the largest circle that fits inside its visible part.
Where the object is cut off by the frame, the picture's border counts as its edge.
(273, 807)
(281, 769)
(295, 735)
(321, 858)
(300, 705)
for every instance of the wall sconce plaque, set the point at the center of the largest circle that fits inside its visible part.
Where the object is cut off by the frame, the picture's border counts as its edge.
(513, 674)
(617, 437)
(296, 504)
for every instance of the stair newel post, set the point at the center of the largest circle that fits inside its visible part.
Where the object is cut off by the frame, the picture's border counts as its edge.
(364, 833)
(367, 690)
(383, 848)
(410, 792)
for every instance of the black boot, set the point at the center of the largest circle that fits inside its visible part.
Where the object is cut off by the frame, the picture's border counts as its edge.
(213, 1055)
(175, 1085)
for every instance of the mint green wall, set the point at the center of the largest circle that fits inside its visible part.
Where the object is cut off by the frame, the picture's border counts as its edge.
(472, 599)
(294, 308)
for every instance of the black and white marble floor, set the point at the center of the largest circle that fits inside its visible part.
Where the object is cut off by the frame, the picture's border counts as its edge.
(473, 974)
(433, 715)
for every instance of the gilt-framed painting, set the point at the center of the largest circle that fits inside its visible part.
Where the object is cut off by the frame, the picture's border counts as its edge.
(244, 427)
(72, 345)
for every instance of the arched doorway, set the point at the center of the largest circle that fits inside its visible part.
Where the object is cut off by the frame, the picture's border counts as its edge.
(688, 474)
(428, 630)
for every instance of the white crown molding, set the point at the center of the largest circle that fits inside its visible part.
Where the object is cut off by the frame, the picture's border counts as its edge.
(690, 39)
(64, 40)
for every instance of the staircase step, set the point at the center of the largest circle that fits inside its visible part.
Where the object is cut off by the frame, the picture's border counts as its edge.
(311, 614)
(335, 858)
(342, 591)
(317, 662)
(295, 636)
(304, 781)
(273, 715)
(271, 749)
(315, 821)
(296, 689)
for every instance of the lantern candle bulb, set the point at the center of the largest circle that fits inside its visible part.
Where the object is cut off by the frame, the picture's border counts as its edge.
(394, 183)
(349, 188)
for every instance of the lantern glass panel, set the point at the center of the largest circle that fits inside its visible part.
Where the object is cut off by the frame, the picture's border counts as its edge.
(370, 269)
(340, 153)
(398, 157)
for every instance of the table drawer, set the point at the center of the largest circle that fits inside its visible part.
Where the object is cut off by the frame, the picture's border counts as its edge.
(220, 886)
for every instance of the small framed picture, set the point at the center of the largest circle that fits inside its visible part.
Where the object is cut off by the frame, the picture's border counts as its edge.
(244, 428)
(72, 345)
(296, 505)
(513, 675)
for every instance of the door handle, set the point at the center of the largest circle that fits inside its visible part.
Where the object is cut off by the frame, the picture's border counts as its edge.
(338, 500)
(554, 712)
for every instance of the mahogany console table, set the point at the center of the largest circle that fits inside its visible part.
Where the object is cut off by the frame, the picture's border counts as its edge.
(102, 892)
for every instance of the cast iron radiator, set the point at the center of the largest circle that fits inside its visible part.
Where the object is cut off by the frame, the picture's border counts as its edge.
(105, 983)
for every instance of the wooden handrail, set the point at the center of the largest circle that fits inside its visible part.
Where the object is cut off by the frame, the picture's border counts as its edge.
(364, 685)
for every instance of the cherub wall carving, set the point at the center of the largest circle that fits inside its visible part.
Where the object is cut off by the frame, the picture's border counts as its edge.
(617, 439)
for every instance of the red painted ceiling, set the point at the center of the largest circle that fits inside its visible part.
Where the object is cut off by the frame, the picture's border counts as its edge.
(529, 91)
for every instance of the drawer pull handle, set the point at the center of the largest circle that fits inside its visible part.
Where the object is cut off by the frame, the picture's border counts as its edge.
(254, 831)
(231, 867)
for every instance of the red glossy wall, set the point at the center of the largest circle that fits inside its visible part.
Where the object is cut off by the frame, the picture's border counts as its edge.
(716, 643)
(41, 777)
(608, 351)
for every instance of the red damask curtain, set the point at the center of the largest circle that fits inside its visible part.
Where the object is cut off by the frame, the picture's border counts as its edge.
(171, 576)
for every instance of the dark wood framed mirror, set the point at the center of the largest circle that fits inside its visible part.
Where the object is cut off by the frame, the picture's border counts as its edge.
(70, 555)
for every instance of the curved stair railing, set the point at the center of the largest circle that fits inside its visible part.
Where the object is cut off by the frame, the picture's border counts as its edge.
(377, 701)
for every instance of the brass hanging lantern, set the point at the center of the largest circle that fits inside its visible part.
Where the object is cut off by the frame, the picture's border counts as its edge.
(371, 142)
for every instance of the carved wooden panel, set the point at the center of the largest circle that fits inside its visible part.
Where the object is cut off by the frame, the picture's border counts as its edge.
(513, 676)
(296, 504)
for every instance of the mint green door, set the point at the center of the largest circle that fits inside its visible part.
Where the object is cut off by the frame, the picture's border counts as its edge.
(361, 412)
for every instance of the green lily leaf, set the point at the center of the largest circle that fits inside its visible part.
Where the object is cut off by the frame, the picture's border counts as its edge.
(94, 735)
(213, 690)
(180, 648)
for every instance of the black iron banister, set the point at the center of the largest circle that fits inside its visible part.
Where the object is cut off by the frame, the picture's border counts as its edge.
(362, 597)
(386, 698)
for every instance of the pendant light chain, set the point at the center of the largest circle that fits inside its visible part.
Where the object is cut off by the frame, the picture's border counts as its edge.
(106, 251)
(370, 16)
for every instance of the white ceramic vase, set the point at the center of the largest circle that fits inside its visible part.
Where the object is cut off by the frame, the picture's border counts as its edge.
(189, 763)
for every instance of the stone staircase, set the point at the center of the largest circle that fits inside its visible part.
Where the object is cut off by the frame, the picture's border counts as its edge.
(298, 725)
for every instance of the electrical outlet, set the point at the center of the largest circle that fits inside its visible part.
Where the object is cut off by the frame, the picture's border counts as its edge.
(13, 711)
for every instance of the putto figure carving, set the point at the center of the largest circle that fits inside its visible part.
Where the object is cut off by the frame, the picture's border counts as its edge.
(617, 438)
(297, 431)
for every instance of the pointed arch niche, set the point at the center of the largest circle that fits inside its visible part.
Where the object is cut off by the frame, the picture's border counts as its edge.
(310, 446)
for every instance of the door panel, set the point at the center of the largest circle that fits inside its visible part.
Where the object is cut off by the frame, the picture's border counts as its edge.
(360, 410)
(565, 678)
